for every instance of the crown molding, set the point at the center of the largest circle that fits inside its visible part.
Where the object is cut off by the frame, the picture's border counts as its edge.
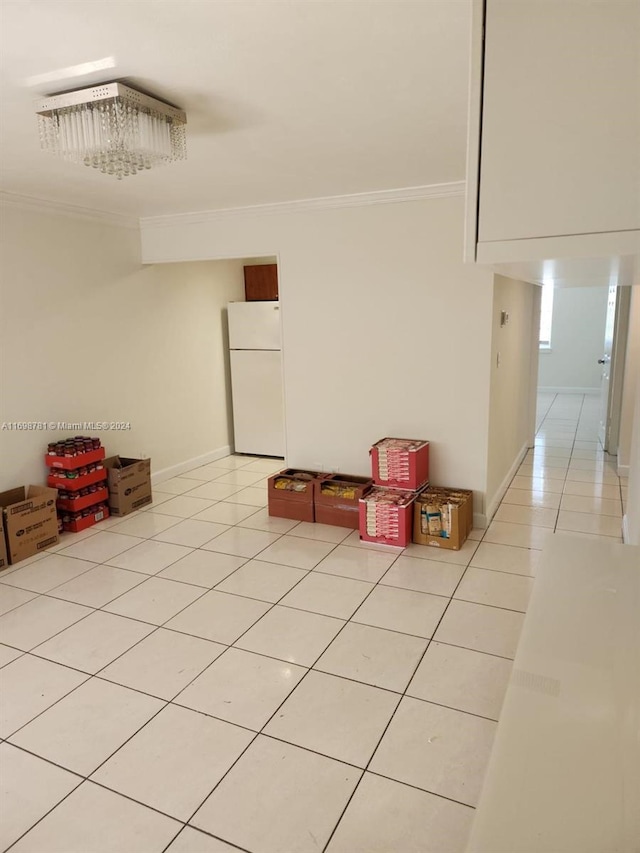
(336, 202)
(454, 188)
(58, 208)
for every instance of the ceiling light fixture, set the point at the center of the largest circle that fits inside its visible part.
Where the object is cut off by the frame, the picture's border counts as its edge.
(113, 128)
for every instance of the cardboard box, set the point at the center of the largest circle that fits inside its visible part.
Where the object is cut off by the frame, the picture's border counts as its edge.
(4, 559)
(443, 517)
(291, 494)
(386, 516)
(296, 510)
(400, 463)
(337, 499)
(129, 483)
(29, 520)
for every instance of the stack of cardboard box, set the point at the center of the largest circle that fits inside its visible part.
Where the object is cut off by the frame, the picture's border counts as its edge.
(393, 507)
(78, 472)
(400, 468)
(404, 507)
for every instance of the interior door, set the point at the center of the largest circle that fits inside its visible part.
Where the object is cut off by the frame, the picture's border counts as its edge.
(612, 361)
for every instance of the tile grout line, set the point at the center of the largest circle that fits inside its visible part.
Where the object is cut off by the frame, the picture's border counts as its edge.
(555, 526)
(208, 834)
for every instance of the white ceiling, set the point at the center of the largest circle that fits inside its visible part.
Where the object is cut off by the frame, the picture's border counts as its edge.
(285, 99)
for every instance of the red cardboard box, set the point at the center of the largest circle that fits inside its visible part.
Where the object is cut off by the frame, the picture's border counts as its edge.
(57, 479)
(337, 498)
(295, 510)
(400, 463)
(69, 462)
(77, 504)
(88, 521)
(386, 516)
(291, 494)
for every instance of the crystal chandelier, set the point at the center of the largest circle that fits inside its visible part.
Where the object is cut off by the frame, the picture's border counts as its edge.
(113, 128)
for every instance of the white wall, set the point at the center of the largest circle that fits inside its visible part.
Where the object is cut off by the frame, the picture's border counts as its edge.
(385, 331)
(577, 339)
(89, 334)
(510, 401)
(630, 384)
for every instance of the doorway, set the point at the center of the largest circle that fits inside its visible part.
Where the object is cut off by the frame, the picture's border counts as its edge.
(581, 359)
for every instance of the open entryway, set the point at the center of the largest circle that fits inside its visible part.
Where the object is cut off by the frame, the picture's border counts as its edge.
(583, 345)
(583, 340)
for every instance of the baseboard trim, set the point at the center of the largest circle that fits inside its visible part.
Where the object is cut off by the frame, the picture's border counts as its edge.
(480, 520)
(494, 503)
(573, 389)
(625, 529)
(181, 467)
(623, 471)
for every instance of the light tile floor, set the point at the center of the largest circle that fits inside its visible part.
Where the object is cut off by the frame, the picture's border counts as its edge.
(200, 678)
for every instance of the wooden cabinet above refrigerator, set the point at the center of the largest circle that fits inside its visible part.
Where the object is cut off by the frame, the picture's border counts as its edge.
(261, 282)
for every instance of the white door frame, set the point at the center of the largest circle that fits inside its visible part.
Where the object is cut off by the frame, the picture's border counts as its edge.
(534, 367)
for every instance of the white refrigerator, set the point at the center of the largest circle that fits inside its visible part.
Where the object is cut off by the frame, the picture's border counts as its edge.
(256, 377)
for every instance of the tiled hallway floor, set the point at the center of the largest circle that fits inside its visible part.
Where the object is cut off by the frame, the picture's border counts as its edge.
(200, 678)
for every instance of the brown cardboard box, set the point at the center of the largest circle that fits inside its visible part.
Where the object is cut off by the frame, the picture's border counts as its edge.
(4, 559)
(129, 484)
(29, 520)
(455, 523)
